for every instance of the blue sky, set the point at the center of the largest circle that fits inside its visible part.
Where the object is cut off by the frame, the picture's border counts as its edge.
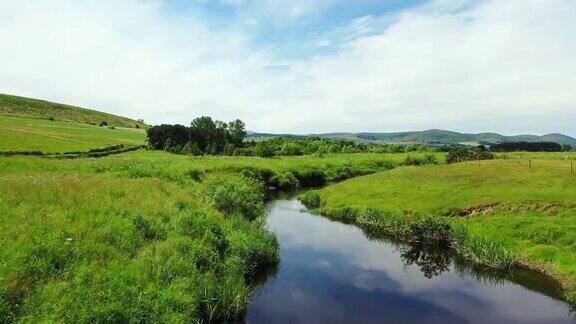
(302, 66)
(317, 30)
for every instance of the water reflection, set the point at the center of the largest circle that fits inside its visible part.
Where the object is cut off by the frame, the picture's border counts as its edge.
(431, 261)
(333, 273)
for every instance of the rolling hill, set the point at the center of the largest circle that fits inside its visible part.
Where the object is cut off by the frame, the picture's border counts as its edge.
(33, 108)
(436, 137)
(36, 125)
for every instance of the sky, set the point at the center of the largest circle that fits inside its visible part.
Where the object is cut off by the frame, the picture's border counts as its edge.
(302, 66)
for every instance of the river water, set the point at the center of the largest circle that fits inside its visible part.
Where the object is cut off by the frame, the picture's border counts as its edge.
(331, 272)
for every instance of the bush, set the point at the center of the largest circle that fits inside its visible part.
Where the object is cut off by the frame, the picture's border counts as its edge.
(236, 195)
(415, 161)
(431, 230)
(285, 181)
(461, 154)
(311, 199)
(310, 178)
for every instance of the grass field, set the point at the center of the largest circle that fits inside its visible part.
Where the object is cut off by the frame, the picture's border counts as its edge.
(28, 134)
(144, 236)
(528, 214)
(41, 109)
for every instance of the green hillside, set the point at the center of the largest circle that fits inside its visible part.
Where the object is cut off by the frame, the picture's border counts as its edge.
(34, 108)
(29, 134)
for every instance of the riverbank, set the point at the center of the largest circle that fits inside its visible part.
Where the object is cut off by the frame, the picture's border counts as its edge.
(499, 213)
(145, 236)
(335, 272)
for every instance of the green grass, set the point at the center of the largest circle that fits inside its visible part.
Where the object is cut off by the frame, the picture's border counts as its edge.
(141, 236)
(41, 109)
(500, 211)
(101, 248)
(28, 134)
(437, 188)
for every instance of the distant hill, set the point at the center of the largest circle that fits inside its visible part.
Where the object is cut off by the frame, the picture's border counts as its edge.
(34, 108)
(437, 137)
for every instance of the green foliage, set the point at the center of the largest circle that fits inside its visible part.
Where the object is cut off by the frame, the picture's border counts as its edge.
(310, 199)
(235, 195)
(461, 154)
(416, 161)
(285, 181)
(263, 149)
(204, 136)
(527, 147)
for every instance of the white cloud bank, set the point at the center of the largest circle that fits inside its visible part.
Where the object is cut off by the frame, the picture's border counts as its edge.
(506, 66)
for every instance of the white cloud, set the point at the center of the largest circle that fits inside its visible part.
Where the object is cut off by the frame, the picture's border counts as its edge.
(496, 66)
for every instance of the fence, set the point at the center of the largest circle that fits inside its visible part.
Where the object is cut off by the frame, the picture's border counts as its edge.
(564, 164)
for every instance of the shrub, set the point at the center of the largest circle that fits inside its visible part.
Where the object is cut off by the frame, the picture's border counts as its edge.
(415, 161)
(311, 199)
(431, 230)
(311, 178)
(285, 181)
(236, 195)
(461, 154)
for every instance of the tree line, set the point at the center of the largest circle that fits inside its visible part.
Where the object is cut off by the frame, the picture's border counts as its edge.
(203, 136)
(206, 136)
(530, 147)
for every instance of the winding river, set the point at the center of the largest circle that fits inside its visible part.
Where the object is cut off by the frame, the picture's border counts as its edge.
(337, 273)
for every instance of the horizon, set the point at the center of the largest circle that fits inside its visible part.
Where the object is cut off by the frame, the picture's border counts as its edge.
(298, 67)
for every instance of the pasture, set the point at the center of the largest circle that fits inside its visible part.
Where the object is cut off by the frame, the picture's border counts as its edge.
(521, 213)
(29, 134)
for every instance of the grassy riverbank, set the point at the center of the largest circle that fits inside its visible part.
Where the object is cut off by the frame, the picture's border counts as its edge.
(145, 235)
(498, 213)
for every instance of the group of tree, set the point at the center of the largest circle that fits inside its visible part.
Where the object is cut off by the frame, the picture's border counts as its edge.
(206, 136)
(203, 136)
(530, 147)
(468, 153)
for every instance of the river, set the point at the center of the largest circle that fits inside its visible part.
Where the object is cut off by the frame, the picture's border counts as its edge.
(331, 272)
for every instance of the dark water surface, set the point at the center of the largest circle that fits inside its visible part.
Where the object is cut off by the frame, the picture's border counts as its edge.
(331, 272)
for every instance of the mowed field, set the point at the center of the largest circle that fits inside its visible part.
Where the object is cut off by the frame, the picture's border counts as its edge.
(30, 134)
(526, 208)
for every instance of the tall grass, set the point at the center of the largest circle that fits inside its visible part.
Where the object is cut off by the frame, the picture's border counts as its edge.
(102, 248)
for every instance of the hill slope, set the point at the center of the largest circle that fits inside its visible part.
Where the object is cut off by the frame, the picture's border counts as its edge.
(34, 108)
(30, 134)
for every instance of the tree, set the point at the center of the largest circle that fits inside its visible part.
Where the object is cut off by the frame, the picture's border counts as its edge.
(262, 149)
(203, 132)
(237, 132)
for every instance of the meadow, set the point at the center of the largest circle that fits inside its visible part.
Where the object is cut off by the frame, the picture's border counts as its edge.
(16, 106)
(144, 235)
(501, 213)
(28, 134)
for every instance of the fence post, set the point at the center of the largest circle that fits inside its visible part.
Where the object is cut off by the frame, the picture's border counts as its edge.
(529, 163)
